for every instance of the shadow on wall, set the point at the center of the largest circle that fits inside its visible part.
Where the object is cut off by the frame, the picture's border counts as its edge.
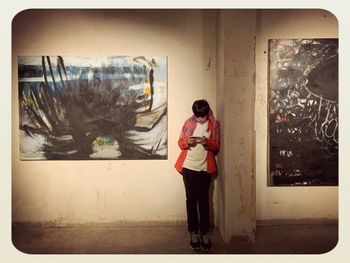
(211, 201)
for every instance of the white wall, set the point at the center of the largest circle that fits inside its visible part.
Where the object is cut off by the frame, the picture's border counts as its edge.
(287, 202)
(108, 191)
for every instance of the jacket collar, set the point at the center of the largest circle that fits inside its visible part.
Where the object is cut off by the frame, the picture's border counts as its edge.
(211, 119)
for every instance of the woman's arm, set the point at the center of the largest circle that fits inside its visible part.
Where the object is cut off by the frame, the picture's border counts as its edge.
(183, 140)
(213, 144)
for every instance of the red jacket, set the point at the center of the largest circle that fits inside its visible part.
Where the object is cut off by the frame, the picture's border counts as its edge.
(212, 146)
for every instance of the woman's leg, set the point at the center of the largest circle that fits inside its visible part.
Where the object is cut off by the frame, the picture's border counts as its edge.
(203, 201)
(190, 179)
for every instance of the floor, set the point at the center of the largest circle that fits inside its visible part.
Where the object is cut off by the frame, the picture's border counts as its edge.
(270, 239)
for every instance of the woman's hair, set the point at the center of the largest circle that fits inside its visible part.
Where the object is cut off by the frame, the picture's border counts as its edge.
(200, 108)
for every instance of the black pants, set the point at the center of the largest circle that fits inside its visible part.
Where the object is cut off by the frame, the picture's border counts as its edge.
(197, 194)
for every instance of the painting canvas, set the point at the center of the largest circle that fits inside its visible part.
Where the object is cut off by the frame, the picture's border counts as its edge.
(88, 108)
(303, 112)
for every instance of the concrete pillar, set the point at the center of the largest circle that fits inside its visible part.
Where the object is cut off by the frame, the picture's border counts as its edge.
(235, 108)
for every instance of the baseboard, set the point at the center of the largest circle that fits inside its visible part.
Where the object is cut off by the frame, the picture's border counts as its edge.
(150, 223)
(303, 221)
(168, 223)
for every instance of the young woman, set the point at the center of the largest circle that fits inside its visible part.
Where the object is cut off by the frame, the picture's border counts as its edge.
(199, 143)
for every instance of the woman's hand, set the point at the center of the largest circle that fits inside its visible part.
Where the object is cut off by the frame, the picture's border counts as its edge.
(204, 141)
(191, 142)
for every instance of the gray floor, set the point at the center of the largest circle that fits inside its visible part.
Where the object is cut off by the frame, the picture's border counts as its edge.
(270, 239)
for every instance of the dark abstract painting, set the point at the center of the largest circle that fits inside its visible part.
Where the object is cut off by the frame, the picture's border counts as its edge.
(303, 112)
(83, 108)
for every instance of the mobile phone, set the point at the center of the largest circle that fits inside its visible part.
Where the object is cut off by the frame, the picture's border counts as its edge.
(196, 138)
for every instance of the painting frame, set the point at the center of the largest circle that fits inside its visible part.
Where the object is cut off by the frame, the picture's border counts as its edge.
(93, 107)
(303, 112)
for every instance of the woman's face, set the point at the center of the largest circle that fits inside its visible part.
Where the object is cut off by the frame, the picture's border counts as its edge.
(202, 120)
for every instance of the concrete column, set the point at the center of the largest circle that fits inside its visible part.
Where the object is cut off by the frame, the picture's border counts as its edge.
(235, 108)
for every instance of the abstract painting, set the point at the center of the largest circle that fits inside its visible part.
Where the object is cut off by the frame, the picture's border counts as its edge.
(88, 108)
(303, 112)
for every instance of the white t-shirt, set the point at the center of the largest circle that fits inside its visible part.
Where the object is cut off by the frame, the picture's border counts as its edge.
(196, 158)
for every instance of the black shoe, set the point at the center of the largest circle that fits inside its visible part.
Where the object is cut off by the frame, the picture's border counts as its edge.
(194, 241)
(205, 243)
